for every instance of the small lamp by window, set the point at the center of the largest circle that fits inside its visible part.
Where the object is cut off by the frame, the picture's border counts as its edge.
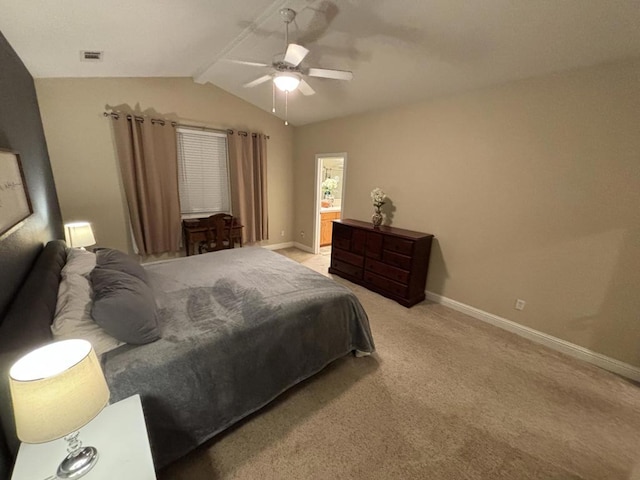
(56, 390)
(79, 234)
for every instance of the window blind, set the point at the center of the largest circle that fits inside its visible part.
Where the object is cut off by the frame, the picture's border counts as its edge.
(203, 172)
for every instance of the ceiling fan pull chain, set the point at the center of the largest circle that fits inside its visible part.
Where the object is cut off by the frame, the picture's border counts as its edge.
(273, 97)
(286, 107)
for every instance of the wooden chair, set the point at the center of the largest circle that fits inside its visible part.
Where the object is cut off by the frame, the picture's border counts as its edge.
(218, 233)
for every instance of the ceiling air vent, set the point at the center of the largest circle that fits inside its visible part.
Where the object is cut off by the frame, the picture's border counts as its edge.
(90, 56)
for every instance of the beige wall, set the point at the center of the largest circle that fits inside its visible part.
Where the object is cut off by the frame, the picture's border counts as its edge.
(532, 190)
(83, 154)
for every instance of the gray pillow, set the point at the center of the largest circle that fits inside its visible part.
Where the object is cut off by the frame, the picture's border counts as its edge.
(117, 260)
(124, 306)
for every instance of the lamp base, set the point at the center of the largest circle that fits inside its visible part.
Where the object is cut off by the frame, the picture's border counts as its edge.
(78, 463)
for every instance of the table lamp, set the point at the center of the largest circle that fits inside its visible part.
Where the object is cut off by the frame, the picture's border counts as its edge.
(56, 390)
(79, 234)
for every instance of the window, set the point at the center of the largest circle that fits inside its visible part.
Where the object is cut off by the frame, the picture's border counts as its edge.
(203, 173)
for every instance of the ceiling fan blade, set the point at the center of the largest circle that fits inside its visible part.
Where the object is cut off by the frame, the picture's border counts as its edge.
(244, 62)
(334, 74)
(295, 54)
(257, 81)
(305, 88)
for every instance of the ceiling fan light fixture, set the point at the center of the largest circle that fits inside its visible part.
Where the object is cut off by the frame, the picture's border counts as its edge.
(287, 82)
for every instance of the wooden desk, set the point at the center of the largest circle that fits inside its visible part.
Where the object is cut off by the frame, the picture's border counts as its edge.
(194, 231)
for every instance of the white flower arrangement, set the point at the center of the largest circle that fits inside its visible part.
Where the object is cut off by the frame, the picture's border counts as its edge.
(330, 184)
(378, 196)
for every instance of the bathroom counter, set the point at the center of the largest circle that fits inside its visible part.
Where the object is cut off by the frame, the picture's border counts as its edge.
(329, 209)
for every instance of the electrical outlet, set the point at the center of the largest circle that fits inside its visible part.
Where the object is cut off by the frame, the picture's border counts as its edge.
(282, 233)
(302, 233)
(520, 304)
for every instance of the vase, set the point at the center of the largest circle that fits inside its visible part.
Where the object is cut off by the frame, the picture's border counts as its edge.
(376, 218)
(329, 198)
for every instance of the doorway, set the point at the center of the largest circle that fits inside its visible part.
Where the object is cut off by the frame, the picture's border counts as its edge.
(329, 198)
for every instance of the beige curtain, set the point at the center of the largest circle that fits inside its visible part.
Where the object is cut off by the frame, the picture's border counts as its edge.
(248, 172)
(147, 153)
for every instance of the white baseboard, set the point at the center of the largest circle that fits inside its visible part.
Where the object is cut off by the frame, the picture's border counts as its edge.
(568, 348)
(303, 247)
(278, 246)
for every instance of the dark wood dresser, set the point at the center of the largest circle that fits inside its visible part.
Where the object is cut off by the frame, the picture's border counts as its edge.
(387, 260)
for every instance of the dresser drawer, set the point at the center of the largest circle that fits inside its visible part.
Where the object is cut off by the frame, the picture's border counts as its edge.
(386, 284)
(394, 273)
(341, 242)
(358, 241)
(347, 268)
(374, 245)
(396, 259)
(347, 257)
(398, 245)
(341, 231)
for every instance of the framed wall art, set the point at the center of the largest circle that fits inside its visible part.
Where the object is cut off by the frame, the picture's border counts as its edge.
(15, 204)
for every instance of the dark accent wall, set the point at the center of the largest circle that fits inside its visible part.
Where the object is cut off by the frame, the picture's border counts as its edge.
(21, 130)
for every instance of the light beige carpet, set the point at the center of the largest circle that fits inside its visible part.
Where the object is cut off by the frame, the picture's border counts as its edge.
(444, 397)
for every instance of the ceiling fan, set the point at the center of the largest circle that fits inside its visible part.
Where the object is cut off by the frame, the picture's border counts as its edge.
(287, 73)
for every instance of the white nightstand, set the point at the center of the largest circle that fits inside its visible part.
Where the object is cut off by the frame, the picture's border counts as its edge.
(118, 432)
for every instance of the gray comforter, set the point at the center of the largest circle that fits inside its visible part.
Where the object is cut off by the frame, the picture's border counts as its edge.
(238, 328)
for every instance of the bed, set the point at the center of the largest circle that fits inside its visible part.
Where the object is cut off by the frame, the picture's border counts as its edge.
(237, 328)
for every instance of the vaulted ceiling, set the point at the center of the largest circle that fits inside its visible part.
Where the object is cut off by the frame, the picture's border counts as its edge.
(399, 51)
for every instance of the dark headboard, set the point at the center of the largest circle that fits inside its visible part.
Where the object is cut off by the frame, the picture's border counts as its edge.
(27, 324)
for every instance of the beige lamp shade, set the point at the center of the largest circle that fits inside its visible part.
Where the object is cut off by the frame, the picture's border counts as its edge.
(56, 390)
(79, 234)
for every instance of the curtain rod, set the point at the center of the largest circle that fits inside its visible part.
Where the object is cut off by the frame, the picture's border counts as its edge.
(175, 124)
